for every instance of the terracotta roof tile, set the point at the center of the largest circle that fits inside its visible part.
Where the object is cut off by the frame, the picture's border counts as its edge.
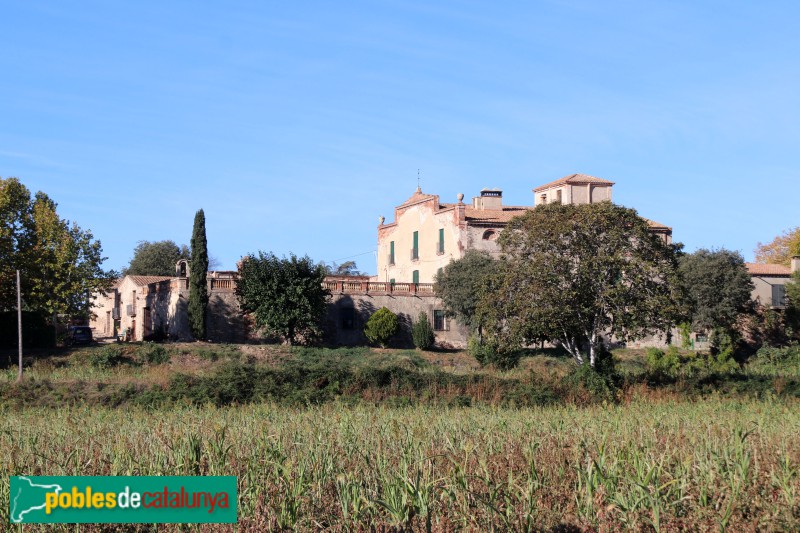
(656, 225)
(759, 269)
(496, 216)
(147, 280)
(418, 196)
(574, 179)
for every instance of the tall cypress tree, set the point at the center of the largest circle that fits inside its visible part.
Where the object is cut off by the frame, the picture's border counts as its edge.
(198, 290)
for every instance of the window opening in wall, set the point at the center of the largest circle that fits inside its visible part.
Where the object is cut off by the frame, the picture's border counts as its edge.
(440, 244)
(391, 252)
(415, 249)
(439, 320)
(489, 235)
(778, 296)
(558, 197)
(543, 199)
(415, 277)
(348, 316)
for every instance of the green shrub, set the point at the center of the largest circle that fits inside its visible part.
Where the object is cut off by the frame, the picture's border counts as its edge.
(153, 353)
(107, 357)
(487, 353)
(685, 330)
(584, 380)
(788, 355)
(660, 363)
(422, 332)
(696, 363)
(381, 327)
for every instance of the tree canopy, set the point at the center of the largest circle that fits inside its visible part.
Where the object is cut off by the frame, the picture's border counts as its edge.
(717, 286)
(348, 268)
(284, 295)
(461, 284)
(781, 250)
(60, 263)
(198, 288)
(574, 273)
(156, 258)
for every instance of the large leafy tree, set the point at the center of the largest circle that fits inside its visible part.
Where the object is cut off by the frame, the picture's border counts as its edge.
(574, 273)
(156, 258)
(781, 250)
(284, 295)
(461, 284)
(198, 288)
(60, 262)
(17, 237)
(718, 287)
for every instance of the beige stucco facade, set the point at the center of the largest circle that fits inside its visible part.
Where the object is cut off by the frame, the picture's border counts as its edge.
(145, 307)
(424, 238)
(769, 283)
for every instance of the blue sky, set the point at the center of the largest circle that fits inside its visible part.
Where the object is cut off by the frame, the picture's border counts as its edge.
(294, 125)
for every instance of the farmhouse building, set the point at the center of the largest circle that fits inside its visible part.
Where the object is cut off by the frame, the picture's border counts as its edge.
(427, 234)
(769, 282)
(156, 307)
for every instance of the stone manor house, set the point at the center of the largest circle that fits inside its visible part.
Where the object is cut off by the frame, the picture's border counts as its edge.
(425, 235)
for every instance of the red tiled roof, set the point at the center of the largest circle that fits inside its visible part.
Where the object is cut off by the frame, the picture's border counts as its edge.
(147, 280)
(418, 196)
(574, 179)
(759, 269)
(656, 225)
(502, 217)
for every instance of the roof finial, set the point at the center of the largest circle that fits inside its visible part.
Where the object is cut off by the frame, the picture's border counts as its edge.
(419, 188)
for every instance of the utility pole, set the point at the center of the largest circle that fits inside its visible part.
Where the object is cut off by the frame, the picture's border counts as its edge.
(19, 327)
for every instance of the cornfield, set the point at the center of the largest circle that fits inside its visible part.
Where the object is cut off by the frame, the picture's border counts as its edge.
(716, 464)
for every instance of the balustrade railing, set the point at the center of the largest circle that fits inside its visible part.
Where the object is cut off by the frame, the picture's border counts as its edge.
(340, 286)
(221, 284)
(377, 287)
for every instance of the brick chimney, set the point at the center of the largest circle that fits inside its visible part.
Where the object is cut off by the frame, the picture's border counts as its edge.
(489, 199)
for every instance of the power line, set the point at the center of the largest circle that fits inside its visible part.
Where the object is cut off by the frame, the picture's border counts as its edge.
(357, 255)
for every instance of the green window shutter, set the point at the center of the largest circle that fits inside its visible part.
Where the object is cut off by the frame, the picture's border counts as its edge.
(415, 276)
(415, 249)
(441, 240)
(391, 252)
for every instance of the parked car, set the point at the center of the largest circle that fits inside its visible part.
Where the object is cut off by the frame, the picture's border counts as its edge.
(79, 335)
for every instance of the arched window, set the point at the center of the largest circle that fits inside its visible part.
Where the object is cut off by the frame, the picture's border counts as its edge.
(182, 268)
(489, 235)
